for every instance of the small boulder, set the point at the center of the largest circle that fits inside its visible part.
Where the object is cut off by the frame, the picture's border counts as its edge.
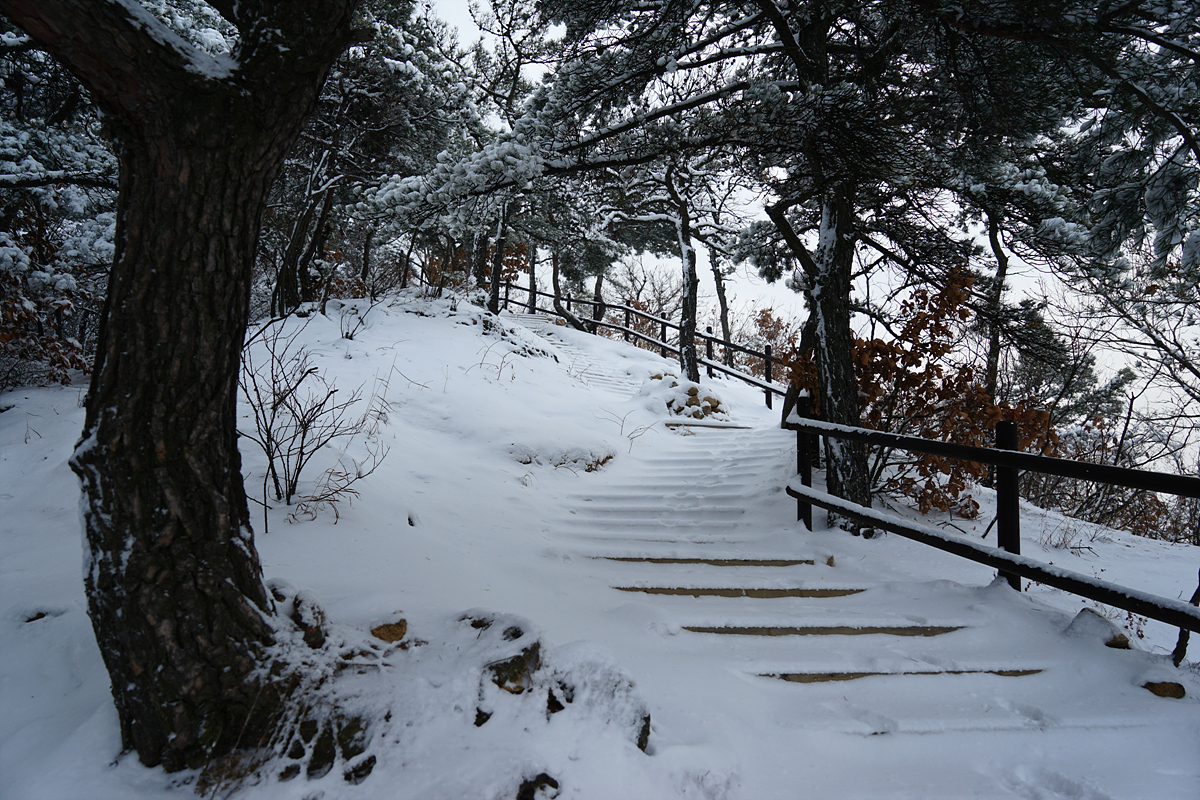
(541, 787)
(1166, 689)
(391, 631)
(310, 618)
(1088, 624)
(515, 675)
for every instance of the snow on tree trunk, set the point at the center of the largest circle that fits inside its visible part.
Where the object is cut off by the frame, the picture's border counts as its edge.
(714, 259)
(493, 303)
(173, 581)
(848, 476)
(688, 359)
(599, 309)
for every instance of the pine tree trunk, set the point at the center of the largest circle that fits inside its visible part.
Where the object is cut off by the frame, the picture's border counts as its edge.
(532, 308)
(174, 584)
(599, 309)
(714, 259)
(559, 308)
(493, 303)
(173, 581)
(688, 359)
(847, 474)
(992, 379)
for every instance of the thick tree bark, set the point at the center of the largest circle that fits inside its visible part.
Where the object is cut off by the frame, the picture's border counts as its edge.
(174, 585)
(559, 308)
(688, 358)
(599, 309)
(829, 273)
(689, 362)
(714, 260)
(533, 258)
(847, 474)
(992, 380)
(479, 266)
(493, 303)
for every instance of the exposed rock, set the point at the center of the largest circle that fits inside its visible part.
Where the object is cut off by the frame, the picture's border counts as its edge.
(310, 618)
(323, 755)
(1166, 689)
(541, 787)
(643, 740)
(352, 738)
(1089, 624)
(391, 631)
(515, 675)
(359, 772)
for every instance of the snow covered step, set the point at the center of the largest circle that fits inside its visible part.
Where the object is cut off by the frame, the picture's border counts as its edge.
(733, 591)
(629, 500)
(669, 522)
(618, 514)
(826, 630)
(827, 677)
(698, 539)
(714, 562)
(532, 319)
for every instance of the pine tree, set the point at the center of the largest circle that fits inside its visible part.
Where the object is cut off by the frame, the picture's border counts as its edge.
(173, 582)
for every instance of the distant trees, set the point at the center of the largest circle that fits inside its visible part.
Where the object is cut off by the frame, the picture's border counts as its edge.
(57, 193)
(391, 104)
(863, 122)
(174, 586)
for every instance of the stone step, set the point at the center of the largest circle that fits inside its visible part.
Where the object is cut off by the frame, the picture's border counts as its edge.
(734, 592)
(716, 562)
(825, 677)
(827, 630)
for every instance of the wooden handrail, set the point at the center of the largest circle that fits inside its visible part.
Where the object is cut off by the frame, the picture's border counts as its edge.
(1012, 565)
(1163, 609)
(767, 386)
(1181, 485)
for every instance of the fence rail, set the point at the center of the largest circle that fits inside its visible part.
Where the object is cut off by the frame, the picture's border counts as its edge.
(1005, 457)
(665, 347)
(1008, 463)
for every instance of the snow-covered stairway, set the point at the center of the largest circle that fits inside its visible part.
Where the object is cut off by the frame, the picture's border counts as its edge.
(602, 374)
(816, 634)
(705, 531)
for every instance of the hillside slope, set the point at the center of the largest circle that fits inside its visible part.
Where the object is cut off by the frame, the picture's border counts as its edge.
(533, 493)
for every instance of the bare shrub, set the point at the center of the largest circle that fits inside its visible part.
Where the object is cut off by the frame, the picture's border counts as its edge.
(297, 411)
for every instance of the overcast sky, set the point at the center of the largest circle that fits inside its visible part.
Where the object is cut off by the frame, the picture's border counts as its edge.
(458, 14)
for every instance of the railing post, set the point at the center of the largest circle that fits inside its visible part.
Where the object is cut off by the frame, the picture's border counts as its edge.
(507, 286)
(804, 459)
(625, 333)
(767, 371)
(1008, 501)
(708, 348)
(662, 337)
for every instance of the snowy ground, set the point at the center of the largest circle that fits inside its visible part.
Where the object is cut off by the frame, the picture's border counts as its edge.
(532, 489)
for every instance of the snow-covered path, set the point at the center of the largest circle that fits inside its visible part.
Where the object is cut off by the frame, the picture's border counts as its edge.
(855, 672)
